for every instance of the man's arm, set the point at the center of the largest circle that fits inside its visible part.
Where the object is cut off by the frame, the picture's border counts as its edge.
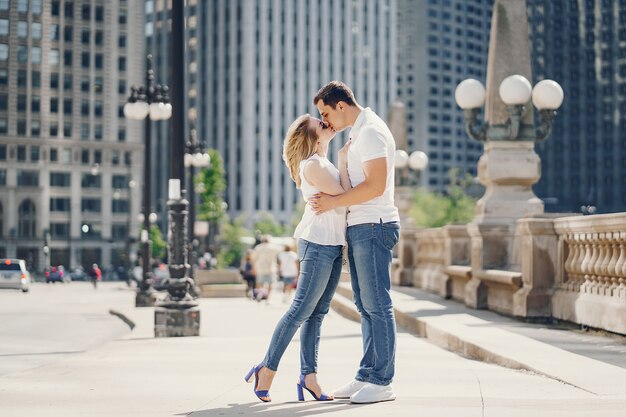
(373, 186)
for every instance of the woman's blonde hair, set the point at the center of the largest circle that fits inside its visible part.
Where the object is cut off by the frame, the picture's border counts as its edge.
(300, 142)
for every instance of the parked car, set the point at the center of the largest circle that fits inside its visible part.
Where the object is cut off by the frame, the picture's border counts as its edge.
(56, 274)
(79, 274)
(13, 274)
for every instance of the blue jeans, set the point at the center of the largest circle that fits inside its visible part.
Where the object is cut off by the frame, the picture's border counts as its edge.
(320, 268)
(369, 253)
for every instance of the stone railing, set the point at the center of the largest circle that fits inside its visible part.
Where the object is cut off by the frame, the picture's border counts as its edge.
(590, 286)
(569, 268)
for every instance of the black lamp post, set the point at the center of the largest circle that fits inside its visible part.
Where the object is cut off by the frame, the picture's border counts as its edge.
(195, 156)
(147, 102)
(178, 314)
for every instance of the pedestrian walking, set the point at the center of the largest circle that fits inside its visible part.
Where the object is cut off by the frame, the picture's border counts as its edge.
(288, 271)
(248, 272)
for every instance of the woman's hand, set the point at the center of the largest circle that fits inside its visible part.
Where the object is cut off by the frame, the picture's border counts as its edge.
(343, 152)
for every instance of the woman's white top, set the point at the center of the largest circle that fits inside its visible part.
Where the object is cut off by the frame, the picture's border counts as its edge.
(328, 228)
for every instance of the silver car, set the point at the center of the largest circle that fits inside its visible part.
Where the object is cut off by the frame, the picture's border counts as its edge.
(13, 274)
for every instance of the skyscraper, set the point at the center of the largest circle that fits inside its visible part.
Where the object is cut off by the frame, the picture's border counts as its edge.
(581, 45)
(255, 65)
(68, 158)
(440, 43)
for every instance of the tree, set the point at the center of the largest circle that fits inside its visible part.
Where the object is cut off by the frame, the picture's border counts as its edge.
(454, 206)
(159, 245)
(266, 225)
(231, 246)
(211, 182)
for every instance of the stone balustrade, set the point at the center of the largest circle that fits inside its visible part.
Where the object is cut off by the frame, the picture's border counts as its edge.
(569, 268)
(590, 285)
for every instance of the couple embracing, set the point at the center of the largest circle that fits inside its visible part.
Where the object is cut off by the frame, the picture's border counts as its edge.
(363, 187)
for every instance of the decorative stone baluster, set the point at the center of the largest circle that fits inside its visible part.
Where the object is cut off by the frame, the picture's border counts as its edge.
(600, 268)
(610, 268)
(584, 264)
(575, 265)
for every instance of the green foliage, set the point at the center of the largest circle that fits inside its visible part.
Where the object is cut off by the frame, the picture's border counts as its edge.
(231, 247)
(211, 183)
(266, 225)
(455, 206)
(159, 245)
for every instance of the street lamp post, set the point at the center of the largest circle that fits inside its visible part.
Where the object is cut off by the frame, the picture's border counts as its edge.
(195, 157)
(147, 102)
(178, 314)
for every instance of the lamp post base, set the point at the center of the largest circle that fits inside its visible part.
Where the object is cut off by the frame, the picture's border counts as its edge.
(177, 319)
(145, 298)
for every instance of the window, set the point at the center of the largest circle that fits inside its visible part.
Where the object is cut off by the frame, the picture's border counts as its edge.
(67, 130)
(67, 82)
(84, 108)
(35, 128)
(4, 125)
(4, 4)
(59, 204)
(99, 61)
(28, 178)
(122, 41)
(68, 34)
(4, 99)
(54, 155)
(22, 78)
(35, 104)
(34, 153)
(54, 129)
(120, 181)
(90, 205)
(84, 36)
(59, 230)
(84, 83)
(35, 55)
(4, 52)
(84, 60)
(86, 14)
(53, 56)
(54, 105)
(91, 181)
(21, 127)
(120, 206)
(21, 102)
(22, 6)
(3, 152)
(119, 231)
(60, 179)
(84, 133)
(4, 27)
(67, 106)
(4, 76)
(67, 58)
(54, 80)
(98, 109)
(35, 79)
(22, 29)
(55, 33)
(21, 153)
(121, 63)
(121, 135)
(35, 30)
(27, 223)
(99, 13)
(99, 38)
(121, 87)
(98, 132)
(22, 54)
(69, 9)
(35, 7)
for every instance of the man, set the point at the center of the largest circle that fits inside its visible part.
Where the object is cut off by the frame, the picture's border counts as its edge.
(264, 256)
(373, 230)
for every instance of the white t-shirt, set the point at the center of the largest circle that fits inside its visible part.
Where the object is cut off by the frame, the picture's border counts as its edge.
(372, 139)
(264, 256)
(288, 264)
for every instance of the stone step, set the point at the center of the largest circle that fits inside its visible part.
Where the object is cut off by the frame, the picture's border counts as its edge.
(203, 277)
(223, 290)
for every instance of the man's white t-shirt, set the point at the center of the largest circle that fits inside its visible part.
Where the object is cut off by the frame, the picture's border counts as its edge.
(288, 264)
(372, 139)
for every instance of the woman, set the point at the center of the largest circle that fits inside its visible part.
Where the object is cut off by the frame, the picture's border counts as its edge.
(320, 241)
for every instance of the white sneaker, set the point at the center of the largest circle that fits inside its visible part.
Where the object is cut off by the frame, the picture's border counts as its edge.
(372, 393)
(348, 390)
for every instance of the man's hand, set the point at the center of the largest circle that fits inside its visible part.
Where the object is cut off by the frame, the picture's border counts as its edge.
(321, 203)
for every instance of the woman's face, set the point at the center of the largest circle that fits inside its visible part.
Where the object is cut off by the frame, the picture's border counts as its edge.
(324, 132)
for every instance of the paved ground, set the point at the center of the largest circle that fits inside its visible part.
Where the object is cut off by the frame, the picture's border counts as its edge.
(138, 375)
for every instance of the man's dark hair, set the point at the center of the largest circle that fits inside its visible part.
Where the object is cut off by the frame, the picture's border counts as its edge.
(334, 92)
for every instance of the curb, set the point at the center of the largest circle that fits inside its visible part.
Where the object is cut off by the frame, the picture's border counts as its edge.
(123, 317)
(343, 305)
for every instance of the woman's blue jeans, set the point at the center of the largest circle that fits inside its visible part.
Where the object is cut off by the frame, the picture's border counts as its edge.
(320, 268)
(369, 253)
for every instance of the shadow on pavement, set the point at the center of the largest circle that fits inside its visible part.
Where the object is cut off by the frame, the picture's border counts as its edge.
(285, 409)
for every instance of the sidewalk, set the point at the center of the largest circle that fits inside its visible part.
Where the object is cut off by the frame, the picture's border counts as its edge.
(592, 362)
(138, 375)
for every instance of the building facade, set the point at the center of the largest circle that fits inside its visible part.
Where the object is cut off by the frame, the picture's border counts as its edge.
(255, 65)
(70, 163)
(581, 44)
(440, 43)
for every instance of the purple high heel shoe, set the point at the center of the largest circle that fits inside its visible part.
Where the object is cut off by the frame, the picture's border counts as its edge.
(302, 386)
(264, 395)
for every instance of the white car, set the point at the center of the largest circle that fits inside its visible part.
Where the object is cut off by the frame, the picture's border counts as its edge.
(13, 274)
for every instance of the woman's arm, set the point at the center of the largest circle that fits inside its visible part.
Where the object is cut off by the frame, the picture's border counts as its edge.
(321, 178)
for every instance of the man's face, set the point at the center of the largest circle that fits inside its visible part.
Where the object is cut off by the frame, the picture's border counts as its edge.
(335, 118)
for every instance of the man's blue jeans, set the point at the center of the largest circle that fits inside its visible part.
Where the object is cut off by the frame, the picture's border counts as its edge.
(320, 268)
(369, 253)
